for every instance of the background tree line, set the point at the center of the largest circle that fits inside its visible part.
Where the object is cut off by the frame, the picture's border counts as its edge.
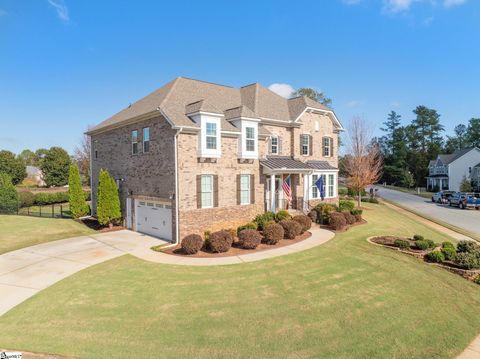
(407, 149)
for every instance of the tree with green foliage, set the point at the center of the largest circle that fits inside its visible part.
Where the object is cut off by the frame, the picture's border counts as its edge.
(27, 157)
(108, 202)
(40, 155)
(466, 185)
(314, 95)
(76, 196)
(458, 141)
(55, 167)
(8, 194)
(12, 166)
(473, 133)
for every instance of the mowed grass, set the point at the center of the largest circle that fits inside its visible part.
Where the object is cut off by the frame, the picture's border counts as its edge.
(345, 299)
(21, 231)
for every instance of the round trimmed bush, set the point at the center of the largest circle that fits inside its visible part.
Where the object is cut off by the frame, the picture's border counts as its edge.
(467, 247)
(337, 221)
(192, 243)
(448, 245)
(291, 228)
(467, 260)
(345, 205)
(249, 239)
(249, 225)
(273, 233)
(401, 243)
(418, 237)
(220, 241)
(435, 257)
(26, 199)
(323, 212)
(350, 218)
(449, 253)
(313, 216)
(422, 244)
(304, 221)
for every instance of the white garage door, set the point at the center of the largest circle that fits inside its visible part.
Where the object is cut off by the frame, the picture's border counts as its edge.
(154, 219)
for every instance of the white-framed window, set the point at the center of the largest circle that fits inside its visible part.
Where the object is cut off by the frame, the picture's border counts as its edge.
(211, 135)
(146, 140)
(305, 145)
(274, 145)
(315, 191)
(331, 185)
(250, 139)
(207, 191)
(134, 142)
(95, 149)
(245, 187)
(327, 146)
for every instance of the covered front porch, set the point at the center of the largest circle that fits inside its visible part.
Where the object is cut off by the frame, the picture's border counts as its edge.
(437, 183)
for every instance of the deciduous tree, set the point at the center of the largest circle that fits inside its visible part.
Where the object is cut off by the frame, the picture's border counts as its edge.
(81, 156)
(55, 166)
(12, 166)
(314, 95)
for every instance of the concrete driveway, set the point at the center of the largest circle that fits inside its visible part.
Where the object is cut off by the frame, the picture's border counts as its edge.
(27, 271)
(468, 220)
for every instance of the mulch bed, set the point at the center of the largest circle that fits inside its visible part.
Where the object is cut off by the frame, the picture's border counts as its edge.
(92, 223)
(235, 250)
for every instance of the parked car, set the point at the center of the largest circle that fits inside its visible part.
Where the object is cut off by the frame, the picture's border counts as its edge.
(442, 196)
(464, 200)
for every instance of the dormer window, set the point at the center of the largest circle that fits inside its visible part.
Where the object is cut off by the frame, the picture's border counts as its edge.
(250, 139)
(274, 145)
(211, 135)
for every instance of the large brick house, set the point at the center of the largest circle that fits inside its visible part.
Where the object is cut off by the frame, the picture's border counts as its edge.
(194, 156)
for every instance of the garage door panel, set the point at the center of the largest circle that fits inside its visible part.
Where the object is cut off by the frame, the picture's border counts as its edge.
(154, 219)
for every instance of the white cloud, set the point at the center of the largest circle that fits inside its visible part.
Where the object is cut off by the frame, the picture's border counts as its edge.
(354, 103)
(450, 3)
(352, 2)
(61, 8)
(284, 90)
(397, 5)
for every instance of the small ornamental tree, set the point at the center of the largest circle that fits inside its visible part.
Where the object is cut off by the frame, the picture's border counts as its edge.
(465, 185)
(76, 196)
(8, 194)
(55, 167)
(108, 202)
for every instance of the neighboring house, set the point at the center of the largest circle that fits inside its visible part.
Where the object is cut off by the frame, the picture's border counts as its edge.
(447, 171)
(476, 177)
(195, 156)
(35, 175)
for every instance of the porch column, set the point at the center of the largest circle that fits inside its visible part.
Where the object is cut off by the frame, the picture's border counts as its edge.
(306, 187)
(272, 193)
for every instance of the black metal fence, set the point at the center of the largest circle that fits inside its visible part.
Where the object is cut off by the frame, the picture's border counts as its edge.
(57, 210)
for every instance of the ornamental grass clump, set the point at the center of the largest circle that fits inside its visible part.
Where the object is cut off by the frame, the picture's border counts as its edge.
(273, 233)
(281, 215)
(192, 243)
(220, 241)
(249, 239)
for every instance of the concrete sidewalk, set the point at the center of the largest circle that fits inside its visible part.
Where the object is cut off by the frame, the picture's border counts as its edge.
(27, 271)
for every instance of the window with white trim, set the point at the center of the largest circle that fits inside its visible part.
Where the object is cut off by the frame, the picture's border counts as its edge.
(134, 142)
(315, 191)
(207, 191)
(274, 150)
(250, 139)
(305, 145)
(331, 185)
(146, 140)
(245, 189)
(211, 135)
(327, 147)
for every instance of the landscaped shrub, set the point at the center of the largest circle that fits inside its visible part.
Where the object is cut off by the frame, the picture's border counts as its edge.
(78, 204)
(249, 239)
(342, 192)
(51, 198)
(467, 260)
(273, 233)
(447, 244)
(26, 199)
(108, 202)
(249, 225)
(337, 221)
(344, 205)
(8, 195)
(192, 243)
(232, 231)
(304, 221)
(401, 243)
(449, 253)
(477, 279)
(281, 215)
(350, 218)
(207, 235)
(435, 257)
(291, 228)
(357, 213)
(323, 212)
(220, 241)
(313, 215)
(373, 200)
(422, 244)
(264, 218)
(467, 247)
(418, 237)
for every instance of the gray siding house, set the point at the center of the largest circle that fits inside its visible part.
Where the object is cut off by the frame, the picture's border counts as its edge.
(195, 156)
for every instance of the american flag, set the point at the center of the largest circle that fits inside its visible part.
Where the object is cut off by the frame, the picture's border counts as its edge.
(287, 189)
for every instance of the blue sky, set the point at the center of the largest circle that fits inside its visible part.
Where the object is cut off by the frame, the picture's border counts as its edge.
(68, 64)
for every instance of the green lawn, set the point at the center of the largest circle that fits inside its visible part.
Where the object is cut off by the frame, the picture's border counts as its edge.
(22, 231)
(345, 299)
